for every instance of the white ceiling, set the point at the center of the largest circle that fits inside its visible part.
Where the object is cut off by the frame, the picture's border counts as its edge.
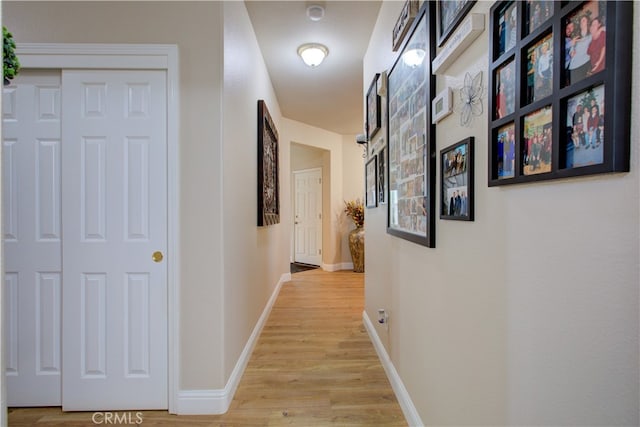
(330, 95)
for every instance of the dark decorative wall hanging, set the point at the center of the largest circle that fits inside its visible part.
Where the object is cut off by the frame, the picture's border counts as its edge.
(560, 84)
(268, 170)
(411, 136)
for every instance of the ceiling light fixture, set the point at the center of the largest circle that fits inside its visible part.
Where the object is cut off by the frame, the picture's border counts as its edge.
(313, 53)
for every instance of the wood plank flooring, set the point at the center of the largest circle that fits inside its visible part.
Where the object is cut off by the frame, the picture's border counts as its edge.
(313, 365)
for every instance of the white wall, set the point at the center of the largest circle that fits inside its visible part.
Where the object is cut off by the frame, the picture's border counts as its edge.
(305, 157)
(527, 315)
(254, 257)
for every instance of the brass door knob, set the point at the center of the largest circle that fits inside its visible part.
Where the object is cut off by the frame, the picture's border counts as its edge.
(157, 256)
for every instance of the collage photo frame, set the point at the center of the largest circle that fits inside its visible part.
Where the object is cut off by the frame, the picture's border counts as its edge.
(411, 136)
(555, 70)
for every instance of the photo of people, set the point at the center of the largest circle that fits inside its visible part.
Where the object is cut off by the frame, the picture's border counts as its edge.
(585, 42)
(507, 28)
(457, 186)
(506, 151)
(455, 161)
(585, 128)
(455, 202)
(537, 142)
(536, 13)
(506, 90)
(540, 69)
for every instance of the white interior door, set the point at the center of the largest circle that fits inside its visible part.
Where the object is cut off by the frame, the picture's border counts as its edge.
(308, 216)
(114, 219)
(32, 238)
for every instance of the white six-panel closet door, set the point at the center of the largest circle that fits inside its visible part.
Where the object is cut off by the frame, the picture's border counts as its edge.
(32, 238)
(100, 318)
(114, 180)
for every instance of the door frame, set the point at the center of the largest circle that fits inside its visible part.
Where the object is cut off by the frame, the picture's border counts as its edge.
(133, 57)
(293, 204)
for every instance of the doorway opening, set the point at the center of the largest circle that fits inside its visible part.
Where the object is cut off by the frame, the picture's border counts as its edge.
(310, 168)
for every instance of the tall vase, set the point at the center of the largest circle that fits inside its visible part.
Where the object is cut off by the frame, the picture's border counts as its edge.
(356, 246)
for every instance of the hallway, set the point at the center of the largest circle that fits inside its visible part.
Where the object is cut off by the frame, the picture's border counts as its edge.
(313, 365)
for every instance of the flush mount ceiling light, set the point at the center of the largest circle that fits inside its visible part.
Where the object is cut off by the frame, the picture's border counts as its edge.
(313, 53)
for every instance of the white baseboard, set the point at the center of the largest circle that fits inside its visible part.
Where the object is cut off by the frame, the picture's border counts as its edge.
(408, 408)
(202, 402)
(338, 267)
(212, 402)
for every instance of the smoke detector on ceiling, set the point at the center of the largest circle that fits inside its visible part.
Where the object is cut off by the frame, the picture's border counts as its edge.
(315, 12)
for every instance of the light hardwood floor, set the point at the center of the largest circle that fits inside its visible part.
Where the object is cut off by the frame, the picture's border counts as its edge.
(313, 365)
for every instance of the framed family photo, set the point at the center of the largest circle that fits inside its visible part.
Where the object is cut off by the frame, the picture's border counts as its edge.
(505, 78)
(411, 137)
(561, 83)
(540, 69)
(505, 28)
(536, 13)
(537, 137)
(585, 136)
(456, 178)
(505, 151)
(450, 14)
(585, 36)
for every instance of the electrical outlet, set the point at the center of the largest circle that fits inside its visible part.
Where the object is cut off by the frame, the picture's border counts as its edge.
(383, 318)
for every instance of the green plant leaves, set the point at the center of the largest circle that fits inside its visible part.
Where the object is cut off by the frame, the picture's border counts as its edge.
(10, 62)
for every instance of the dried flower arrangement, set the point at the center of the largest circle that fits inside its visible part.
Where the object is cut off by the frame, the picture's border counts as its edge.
(355, 210)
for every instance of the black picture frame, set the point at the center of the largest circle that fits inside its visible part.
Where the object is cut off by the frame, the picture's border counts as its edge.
(382, 176)
(543, 138)
(456, 181)
(450, 14)
(374, 116)
(268, 168)
(371, 182)
(400, 29)
(411, 135)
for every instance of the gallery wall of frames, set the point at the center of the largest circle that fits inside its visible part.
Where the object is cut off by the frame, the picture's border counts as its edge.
(560, 89)
(559, 83)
